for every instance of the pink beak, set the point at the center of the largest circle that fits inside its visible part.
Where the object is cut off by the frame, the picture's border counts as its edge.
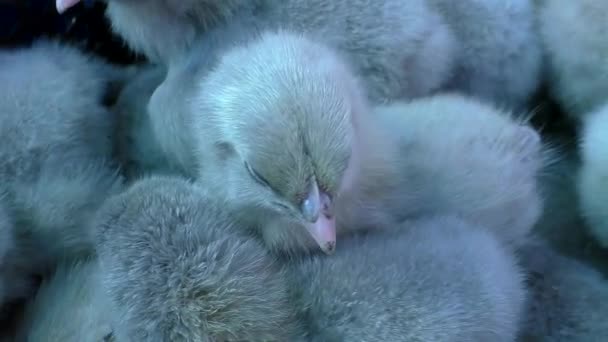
(64, 5)
(317, 209)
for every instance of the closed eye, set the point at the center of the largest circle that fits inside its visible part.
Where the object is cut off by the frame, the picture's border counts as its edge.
(256, 176)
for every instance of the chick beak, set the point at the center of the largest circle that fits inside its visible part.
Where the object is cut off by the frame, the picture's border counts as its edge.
(64, 5)
(317, 210)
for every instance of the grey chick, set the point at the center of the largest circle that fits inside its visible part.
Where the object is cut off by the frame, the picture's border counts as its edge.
(433, 279)
(453, 154)
(577, 71)
(592, 179)
(70, 306)
(176, 270)
(138, 147)
(65, 104)
(568, 300)
(57, 149)
(400, 50)
(165, 29)
(169, 108)
(498, 55)
(275, 127)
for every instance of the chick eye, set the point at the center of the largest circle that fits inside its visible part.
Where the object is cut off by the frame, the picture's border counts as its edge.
(256, 176)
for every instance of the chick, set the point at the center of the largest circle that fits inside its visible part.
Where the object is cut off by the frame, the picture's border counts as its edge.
(70, 306)
(57, 149)
(401, 50)
(577, 71)
(433, 279)
(593, 174)
(275, 123)
(138, 147)
(53, 209)
(65, 104)
(169, 108)
(568, 300)
(454, 155)
(165, 29)
(175, 268)
(498, 55)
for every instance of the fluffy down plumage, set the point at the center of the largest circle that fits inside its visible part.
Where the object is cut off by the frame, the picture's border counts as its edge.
(175, 269)
(577, 68)
(593, 175)
(70, 306)
(568, 300)
(434, 279)
(498, 51)
(56, 151)
(453, 154)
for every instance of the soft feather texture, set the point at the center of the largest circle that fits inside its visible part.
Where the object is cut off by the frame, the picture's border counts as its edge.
(56, 146)
(498, 50)
(165, 29)
(175, 269)
(434, 279)
(169, 107)
(577, 70)
(54, 209)
(70, 306)
(289, 109)
(568, 300)
(593, 175)
(57, 90)
(400, 51)
(454, 154)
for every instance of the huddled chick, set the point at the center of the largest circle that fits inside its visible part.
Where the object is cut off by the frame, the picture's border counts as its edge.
(175, 268)
(433, 279)
(57, 145)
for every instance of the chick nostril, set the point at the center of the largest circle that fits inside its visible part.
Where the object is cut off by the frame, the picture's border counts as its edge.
(330, 246)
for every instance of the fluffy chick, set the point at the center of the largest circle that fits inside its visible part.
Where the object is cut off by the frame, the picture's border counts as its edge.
(454, 155)
(434, 279)
(70, 306)
(169, 108)
(57, 143)
(138, 147)
(275, 124)
(578, 71)
(165, 29)
(568, 300)
(498, 55)
(401, 50)
(593, 174)
(175, 269)
(57, 90)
